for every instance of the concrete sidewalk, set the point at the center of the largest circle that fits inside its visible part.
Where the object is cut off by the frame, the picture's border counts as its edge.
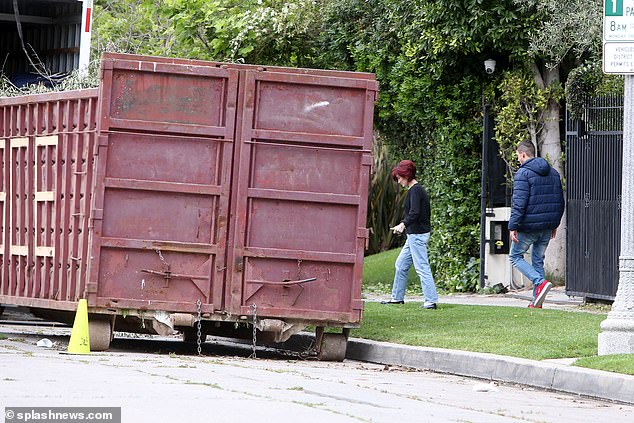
(556, 375)
(556, 299)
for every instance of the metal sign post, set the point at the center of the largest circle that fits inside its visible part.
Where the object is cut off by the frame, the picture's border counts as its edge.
(617, 331)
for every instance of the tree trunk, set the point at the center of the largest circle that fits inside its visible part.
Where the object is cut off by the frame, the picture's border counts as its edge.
(550, 149)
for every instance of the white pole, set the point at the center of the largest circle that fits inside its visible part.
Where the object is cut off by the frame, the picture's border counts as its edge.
(86, 33)
(617, 331)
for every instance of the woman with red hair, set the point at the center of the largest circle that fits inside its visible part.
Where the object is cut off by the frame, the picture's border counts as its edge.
(417, 227)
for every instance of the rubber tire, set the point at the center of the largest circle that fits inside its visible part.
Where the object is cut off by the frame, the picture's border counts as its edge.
(190, 336)
(101, 334)
(333, 347)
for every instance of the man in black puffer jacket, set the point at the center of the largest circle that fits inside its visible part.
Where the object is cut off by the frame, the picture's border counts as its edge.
(538, 205)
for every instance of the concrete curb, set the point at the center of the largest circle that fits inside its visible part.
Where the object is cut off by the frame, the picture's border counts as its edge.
(547, 375)
(558, 377)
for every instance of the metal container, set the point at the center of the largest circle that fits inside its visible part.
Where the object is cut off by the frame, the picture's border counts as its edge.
(226, 193)
(48, 143)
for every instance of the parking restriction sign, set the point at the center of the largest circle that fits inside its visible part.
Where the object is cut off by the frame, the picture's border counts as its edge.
(618, 37)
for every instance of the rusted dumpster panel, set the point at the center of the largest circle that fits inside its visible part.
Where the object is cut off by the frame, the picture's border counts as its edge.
(288, 154)
(48, 142)
(162, 196)
(301, 195)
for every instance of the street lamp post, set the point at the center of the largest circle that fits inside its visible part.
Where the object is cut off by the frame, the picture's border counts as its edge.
(489, 68)
(483, 191)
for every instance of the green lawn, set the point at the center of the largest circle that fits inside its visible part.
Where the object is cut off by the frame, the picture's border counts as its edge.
(378, 272)
(622, 363)
(512, 331)
(517, 332)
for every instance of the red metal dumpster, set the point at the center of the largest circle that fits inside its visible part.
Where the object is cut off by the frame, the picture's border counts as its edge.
(222, 193)
(48, 142)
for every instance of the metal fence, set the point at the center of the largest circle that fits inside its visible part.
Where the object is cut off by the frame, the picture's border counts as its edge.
(594, 151)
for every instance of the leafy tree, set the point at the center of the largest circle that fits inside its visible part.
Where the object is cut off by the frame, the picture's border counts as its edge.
(521, 112)
(569, 30)
(132, 26)
(254, 31)
(565, 34)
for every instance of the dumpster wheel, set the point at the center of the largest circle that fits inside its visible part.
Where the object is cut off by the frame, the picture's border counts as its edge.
(190, 336)
(101, 333)
(331, 346)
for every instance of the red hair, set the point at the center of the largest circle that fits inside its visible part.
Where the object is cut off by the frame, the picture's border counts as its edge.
(405, 169)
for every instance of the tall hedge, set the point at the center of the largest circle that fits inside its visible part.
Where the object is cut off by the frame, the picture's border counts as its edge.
(428, 57)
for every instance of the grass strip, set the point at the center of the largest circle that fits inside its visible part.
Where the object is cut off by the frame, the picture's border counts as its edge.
(517, 332)
(621, 363)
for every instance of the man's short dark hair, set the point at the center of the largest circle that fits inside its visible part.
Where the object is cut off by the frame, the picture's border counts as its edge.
(526, 147)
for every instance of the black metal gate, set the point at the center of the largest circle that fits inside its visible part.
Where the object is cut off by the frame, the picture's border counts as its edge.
(594, 154)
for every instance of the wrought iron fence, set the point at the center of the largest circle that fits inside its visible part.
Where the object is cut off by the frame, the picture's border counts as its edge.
(594, 151)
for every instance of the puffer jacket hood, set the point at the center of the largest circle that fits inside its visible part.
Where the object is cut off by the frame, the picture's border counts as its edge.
(537, 165)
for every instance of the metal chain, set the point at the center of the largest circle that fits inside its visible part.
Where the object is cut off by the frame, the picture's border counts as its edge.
(255, 316)
(165, 263)
(198, 334)
(161, 256)
(299, 268)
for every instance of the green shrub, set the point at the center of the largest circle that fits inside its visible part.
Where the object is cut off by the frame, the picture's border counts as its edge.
(385, 201)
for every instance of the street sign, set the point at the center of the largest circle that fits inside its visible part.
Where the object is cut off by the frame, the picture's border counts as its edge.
(618, 58)
(618, 37)
(618, 20)
(614, 8)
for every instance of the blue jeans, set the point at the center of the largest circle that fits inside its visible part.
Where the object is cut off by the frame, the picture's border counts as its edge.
(414, 252)
(539, 240)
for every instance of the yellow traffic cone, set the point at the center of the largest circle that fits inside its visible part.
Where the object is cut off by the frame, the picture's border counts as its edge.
(80, 337)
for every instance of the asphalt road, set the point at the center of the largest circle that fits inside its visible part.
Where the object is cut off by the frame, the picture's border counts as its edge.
(163, 380)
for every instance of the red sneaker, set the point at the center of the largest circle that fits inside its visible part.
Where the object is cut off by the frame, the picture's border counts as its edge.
(540, 293)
